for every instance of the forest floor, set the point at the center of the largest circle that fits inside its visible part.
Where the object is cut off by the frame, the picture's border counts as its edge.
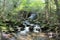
(33, 36)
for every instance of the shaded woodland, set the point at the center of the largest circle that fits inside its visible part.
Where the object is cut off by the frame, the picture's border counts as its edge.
(14, 12)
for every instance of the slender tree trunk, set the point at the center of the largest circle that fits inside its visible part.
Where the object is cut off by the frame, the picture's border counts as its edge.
(57, 9)
(47, 9)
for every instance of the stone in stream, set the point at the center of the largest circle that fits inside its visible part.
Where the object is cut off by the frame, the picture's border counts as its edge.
(7, 36)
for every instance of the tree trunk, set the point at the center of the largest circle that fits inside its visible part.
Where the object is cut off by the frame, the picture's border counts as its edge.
(47, 9)
(57, 9)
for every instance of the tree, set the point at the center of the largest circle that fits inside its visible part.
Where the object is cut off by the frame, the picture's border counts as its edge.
(57, 8)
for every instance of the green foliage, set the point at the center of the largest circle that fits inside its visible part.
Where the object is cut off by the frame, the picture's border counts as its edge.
(14, 9)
